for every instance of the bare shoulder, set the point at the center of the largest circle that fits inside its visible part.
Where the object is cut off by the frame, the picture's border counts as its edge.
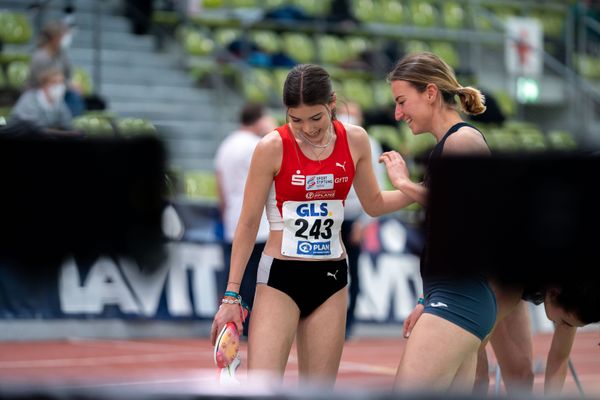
(271, 142)
(269, 152)
(466, 140)
(357, 135)
(358, 141)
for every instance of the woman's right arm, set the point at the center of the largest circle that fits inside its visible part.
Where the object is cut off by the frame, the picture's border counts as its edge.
(265, 164)
(374, 201)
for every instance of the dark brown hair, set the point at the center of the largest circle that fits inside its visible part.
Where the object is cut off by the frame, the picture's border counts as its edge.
(251, 113)
(307, 84)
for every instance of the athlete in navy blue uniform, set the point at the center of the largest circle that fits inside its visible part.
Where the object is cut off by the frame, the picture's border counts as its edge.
(569, 305)
(444, 331)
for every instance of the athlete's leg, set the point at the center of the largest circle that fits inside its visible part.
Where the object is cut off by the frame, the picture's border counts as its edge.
(320, 340)
(434, 353)
(272, 329)
(481, 385)
(512, 343)
(465, 376)
(507, 299)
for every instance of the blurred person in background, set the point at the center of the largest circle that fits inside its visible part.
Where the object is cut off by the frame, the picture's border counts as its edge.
(355, 218)
(232, 162)
(52, 53)
(43, 107)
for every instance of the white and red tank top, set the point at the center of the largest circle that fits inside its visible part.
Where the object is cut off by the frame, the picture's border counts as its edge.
(307, 197)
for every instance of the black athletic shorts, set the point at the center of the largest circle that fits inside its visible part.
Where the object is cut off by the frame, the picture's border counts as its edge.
(308, 283)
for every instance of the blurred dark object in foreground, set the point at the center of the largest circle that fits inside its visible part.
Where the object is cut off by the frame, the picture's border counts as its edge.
(90, 197)
(525, 219)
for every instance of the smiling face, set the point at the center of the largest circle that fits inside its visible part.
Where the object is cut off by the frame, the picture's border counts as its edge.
(312, 121)
(412, 106)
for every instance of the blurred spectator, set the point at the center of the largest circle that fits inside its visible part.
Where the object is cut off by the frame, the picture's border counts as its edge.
(232, 163)
(287, 14)
(355, 219)
(243, 49)
(340, 12)
(139, 13)
(54, 42)
(43, 107)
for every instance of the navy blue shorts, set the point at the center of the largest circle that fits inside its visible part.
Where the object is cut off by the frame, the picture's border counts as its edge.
(308, 283)
(469, 303)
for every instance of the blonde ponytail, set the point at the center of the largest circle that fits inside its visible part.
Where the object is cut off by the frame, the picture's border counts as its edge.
(471, 100)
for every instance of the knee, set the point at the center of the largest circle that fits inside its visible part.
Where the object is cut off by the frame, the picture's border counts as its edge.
(526, 376)
(522, 376)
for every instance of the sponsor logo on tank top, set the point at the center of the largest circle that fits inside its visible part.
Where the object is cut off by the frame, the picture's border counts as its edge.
(298, 179)
(319, 182)
(342, 166)
(320, 195)
(314, 248)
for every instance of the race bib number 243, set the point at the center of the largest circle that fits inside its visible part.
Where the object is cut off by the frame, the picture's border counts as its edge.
(312, 229)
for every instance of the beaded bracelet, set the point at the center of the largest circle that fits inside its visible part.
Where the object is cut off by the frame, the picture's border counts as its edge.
(229, 300)
(421, 301)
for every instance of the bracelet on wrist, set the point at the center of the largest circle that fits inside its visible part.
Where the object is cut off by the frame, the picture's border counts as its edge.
(421, 301)
(229, 300)
(231, 293)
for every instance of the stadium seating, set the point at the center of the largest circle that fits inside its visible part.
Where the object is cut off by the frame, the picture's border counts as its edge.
(257, 85)
(16, 73)
(242, 3)
(453, 15)
(332, 49)
(355, 45)
(313, 7)
(359, 91)
(196, 43)
(386, 135)
(447, 52)
(423, 14)
(94, 124)
(365, 10)
(14, 28)
(210, 4)
(224, 36)
(299, 46)
(128, 127)
(393, 12)
(267, 40)
(561, 140)
(416, 46)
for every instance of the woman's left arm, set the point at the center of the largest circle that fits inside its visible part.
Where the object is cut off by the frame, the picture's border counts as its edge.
(558, 358)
